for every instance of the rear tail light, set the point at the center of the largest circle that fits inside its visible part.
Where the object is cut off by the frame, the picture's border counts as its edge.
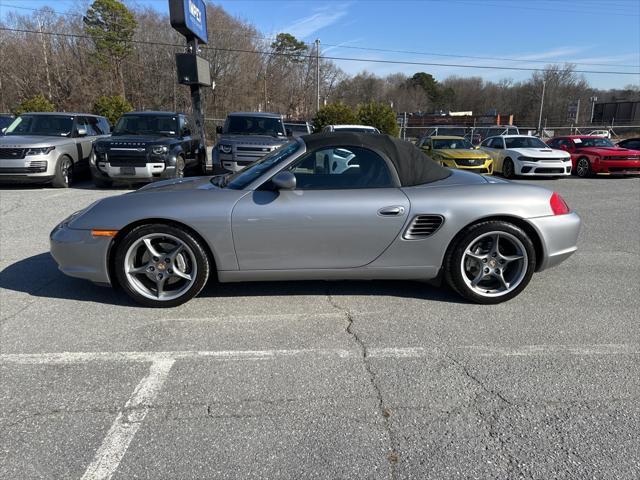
(558, 205)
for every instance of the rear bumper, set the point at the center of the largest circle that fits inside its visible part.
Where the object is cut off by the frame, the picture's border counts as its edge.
(559, 237)
(79, 254)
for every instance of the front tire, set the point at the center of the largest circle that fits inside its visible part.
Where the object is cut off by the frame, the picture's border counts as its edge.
(64, 173)
(101, 182)
(161, 265)
(583, 168)
(508, 170)
(490, 262)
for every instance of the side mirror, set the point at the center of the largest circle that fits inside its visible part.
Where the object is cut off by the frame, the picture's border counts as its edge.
(284, 180)
(186, 132)
(289, 132)
(81, 132)
(219, 130)
(564, 147)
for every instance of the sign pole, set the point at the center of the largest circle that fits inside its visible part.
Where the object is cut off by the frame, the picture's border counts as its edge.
(197, 108)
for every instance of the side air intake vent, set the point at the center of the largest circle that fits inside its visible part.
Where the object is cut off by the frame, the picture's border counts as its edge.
(423, 226)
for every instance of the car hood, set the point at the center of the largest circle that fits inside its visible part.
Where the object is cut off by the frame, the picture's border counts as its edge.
(265, 140)
(540, 152)
(460, 154)
(23, 141)
(608, 151)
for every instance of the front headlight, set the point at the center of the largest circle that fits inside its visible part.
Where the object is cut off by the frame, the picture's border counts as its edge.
(99, 148)
(159, 149)
(527, 159)
(224, 148)
(40, 151)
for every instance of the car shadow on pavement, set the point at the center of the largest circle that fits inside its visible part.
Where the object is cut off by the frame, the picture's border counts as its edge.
(39, 276)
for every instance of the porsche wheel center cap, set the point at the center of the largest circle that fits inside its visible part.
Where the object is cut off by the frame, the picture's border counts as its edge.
(492, 263)
(161, 266)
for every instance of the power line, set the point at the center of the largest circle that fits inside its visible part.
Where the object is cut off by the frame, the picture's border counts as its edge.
(298, 55)
(386, 50)
(477, 57)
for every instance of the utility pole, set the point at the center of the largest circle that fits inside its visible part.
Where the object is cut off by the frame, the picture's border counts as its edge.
(544, 83)
(317, 75)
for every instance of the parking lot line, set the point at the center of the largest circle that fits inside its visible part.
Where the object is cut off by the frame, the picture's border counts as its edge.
(392, 352)
(127, 423)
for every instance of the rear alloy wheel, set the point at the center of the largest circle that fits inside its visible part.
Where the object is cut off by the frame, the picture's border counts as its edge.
(64, 173)
(161, 265)
(583, 167)
(491, 262)
(508, 170)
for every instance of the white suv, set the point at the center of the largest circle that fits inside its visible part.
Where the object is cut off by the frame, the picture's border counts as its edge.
(515, 155)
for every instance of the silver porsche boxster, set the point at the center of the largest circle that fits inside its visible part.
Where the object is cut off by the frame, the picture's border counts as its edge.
(327, 206)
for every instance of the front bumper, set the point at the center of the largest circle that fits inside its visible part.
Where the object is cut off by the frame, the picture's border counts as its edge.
(617, 167)
(484, 168)
(542, 168)
(559, 237)
(145, 173)
(79, 254)
(30, 168)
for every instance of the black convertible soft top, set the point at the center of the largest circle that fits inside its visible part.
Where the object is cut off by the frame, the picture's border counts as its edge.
(412, 165)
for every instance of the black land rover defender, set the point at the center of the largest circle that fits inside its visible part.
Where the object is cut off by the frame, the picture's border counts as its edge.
(146, 146)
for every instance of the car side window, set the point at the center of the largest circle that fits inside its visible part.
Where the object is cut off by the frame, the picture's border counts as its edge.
(105, 128)
(93, 127)
(81, 122)
(497, 143)
(340, 168)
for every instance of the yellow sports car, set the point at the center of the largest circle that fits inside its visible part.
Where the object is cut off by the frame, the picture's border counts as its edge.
(456, 152)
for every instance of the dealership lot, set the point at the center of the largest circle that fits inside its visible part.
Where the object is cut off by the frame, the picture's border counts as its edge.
(323, 379)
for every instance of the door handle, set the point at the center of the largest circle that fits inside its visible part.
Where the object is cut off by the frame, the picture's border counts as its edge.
(391, 211)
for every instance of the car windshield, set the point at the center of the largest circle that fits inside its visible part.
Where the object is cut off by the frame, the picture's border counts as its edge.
(41, 125)
(454, 143)
(593, 142)
(166, 125)
(248, 125)
(239, 180)
(525, 142)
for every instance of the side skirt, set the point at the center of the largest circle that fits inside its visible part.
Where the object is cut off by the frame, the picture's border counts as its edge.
(381, 273)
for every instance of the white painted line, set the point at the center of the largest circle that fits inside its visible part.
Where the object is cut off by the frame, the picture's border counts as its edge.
(115, 444)
(240, 355)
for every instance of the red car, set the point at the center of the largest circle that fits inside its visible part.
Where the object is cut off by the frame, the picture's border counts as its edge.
(591, 155)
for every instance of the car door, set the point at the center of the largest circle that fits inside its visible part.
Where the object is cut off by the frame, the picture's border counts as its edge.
(495, 148)
(330, 220)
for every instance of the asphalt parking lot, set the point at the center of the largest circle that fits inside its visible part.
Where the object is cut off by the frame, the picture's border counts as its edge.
(323, 380)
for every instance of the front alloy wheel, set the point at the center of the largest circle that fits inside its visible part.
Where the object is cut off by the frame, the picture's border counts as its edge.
(161, 265)
(491, 262)
(583, 168)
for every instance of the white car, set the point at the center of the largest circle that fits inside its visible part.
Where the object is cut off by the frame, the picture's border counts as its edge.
(350, 128)
(525, 155)
(600, 133)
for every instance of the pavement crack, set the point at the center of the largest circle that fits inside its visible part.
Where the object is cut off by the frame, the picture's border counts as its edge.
(385, 412)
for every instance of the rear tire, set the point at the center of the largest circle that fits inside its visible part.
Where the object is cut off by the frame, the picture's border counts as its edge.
(160, 265)
(490, 262)
(64, 173)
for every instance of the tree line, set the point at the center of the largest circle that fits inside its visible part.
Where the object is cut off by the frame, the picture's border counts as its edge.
(112, 58)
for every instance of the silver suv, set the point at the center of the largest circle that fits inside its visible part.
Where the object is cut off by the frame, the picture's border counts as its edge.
(49, 147)
(247, 137)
